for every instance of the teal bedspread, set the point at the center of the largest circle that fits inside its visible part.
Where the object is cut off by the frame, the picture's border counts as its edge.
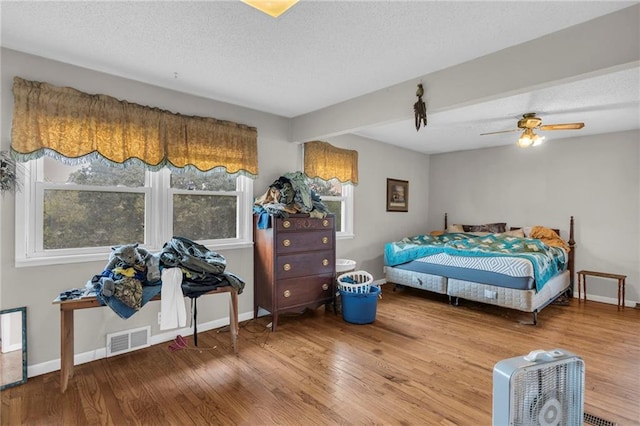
(547, 261)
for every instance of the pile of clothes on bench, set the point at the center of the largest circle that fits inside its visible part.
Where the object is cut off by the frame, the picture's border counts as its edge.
(133, 276)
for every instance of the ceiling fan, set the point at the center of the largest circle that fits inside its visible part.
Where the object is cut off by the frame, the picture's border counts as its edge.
(529, 122)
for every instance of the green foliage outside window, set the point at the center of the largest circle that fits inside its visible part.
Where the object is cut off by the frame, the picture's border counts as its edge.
(335, 207)
(325, 187)
(329, 188)
(75, 217)
(204, 217)
(101, 174)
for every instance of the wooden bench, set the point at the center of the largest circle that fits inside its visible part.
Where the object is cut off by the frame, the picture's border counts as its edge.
(582, 284)
(67, 308)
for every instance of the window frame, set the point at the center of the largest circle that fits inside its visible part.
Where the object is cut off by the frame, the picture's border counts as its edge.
(347, 212)
(158, 216)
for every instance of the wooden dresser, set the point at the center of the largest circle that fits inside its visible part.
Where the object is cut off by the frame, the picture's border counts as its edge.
(294, 264)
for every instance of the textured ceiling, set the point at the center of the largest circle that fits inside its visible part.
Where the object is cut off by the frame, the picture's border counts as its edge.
(322, 53)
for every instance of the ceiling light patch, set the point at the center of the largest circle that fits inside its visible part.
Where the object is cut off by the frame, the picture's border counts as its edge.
(272, 8)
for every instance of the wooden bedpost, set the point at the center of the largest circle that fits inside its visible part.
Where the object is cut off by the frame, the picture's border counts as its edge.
(445, 222)
(572, 257)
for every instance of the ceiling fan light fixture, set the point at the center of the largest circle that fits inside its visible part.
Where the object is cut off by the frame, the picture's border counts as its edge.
(526, 139)
(272, 8)
(528, 122)
(529, 138)
(537, 140)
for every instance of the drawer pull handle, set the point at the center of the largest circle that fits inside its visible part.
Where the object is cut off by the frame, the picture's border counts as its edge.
(287, 267)
(325, 262)
(325, 286)
(286, 224)
(287, 293)
(325, 240)
(325, 223)
(286, 243)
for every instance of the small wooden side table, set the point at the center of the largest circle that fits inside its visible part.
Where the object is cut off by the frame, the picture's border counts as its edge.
(582, 284)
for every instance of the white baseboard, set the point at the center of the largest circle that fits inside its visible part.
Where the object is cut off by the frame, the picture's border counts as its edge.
(379, 282)
(14, 347)
(609, 300)
(53, 365)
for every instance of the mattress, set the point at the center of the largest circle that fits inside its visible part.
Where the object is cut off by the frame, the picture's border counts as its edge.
(509, 272)
(522, 300)
(415, 279)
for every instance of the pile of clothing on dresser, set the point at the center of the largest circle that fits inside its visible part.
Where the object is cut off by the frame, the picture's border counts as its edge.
(287, 195)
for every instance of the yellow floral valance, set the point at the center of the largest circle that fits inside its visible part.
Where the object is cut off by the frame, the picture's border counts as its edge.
(326, 161)
(71, 124)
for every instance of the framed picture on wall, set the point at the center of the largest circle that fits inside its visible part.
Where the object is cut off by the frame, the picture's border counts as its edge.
(397, 195)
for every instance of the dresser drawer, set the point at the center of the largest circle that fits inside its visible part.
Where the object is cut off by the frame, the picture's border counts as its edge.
(304, 223)
(289, 242)
(300, 291)
(308, 263)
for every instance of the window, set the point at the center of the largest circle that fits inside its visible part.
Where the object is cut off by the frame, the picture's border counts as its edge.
(338, 198)
(208, 207)
(77, 213)
(334, 171)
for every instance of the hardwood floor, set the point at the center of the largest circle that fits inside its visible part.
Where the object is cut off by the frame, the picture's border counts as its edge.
(423, 362)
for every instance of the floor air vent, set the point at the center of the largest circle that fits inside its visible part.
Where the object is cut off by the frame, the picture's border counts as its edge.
(127, 341)
(590, 419)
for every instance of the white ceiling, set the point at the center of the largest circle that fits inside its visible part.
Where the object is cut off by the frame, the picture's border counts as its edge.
(325, 53)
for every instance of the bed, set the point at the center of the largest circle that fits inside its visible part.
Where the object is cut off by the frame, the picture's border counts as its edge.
(518, 268)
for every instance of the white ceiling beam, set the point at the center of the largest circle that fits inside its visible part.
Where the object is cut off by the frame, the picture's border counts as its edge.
(606, 44)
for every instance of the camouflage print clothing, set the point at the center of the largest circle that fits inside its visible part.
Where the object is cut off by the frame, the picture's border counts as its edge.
(128, 290)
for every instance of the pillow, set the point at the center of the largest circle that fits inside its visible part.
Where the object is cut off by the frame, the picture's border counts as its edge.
(456, 228)
(497, 227)
(515, 233)
(475, 228)
(437, 233)
(527, 230)
(494, 228)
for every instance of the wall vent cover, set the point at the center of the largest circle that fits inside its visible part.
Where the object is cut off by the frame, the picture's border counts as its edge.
(591, 419)
(128, 340)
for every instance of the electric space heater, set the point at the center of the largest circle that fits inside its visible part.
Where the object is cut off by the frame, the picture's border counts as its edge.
(543, 388)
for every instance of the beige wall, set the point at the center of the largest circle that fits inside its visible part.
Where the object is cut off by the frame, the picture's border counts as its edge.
(36, 287)
(595, 179)
(373, 225)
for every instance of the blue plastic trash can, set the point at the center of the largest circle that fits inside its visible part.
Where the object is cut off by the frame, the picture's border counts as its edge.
(360, 308)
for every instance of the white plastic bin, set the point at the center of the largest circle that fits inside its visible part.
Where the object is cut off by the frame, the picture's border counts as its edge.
(345, 265)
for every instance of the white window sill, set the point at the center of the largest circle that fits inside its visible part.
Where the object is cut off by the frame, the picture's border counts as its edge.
(344, 236)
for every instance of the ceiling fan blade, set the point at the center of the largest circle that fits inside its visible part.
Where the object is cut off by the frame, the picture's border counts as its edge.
(502, 131)
(565, 126)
